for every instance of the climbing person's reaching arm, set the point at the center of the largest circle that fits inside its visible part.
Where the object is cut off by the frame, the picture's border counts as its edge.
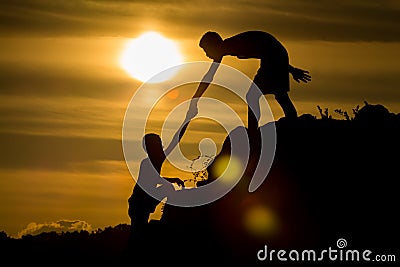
(192, 112)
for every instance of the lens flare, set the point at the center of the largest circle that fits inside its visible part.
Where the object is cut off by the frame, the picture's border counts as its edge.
(227, 168)
(173, 94)
(260, 221)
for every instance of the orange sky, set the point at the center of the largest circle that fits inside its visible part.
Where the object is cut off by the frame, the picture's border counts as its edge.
(63, 93)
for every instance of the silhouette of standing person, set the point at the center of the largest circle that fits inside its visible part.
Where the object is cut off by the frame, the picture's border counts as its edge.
(150, 187)
(272, 77)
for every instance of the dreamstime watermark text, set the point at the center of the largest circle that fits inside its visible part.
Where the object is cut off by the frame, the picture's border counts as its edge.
(338, 253)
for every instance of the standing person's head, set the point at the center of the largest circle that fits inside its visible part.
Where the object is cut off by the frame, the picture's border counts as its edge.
(152, 144)
(212, 44)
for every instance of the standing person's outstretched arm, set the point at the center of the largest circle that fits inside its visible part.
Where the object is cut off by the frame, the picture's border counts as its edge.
(299, 75)
(207, 79)
(192, 112)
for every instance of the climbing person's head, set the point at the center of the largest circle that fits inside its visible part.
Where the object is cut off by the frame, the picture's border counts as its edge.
(152, 144)
(211, 42)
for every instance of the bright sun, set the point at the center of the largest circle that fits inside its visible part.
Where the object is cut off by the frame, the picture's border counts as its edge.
(149, 54)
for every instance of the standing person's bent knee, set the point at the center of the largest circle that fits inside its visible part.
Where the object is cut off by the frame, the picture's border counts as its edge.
(253, 101)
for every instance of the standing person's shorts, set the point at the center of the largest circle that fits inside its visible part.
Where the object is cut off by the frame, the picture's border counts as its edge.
(273, 75)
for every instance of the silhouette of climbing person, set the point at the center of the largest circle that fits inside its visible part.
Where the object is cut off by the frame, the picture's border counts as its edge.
(150, 187)
(272, 77)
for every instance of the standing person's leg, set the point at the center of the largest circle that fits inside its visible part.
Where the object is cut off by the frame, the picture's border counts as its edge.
(286, 104)
(253, 108)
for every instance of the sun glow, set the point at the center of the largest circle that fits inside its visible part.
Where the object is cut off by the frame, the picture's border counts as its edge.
(148, 55)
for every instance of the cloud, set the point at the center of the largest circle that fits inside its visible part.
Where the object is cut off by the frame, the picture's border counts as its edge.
(55, 99)
(310, 20)
(341, 20)
(54, 18)
(95, 192)
(60, 226)
(28, 78)
(54, 152)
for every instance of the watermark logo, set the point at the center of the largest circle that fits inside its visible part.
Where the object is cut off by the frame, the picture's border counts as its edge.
(339, 253)
(341, 243)
(149, 94)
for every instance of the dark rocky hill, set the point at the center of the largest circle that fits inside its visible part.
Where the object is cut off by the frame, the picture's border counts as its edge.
(330, 179)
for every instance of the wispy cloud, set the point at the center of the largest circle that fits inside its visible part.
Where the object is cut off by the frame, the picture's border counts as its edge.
(340, 20)
(93, 191)
(52, 152)
(60, 226)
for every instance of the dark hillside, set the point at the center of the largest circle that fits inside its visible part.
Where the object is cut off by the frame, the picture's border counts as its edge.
(330, 179)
